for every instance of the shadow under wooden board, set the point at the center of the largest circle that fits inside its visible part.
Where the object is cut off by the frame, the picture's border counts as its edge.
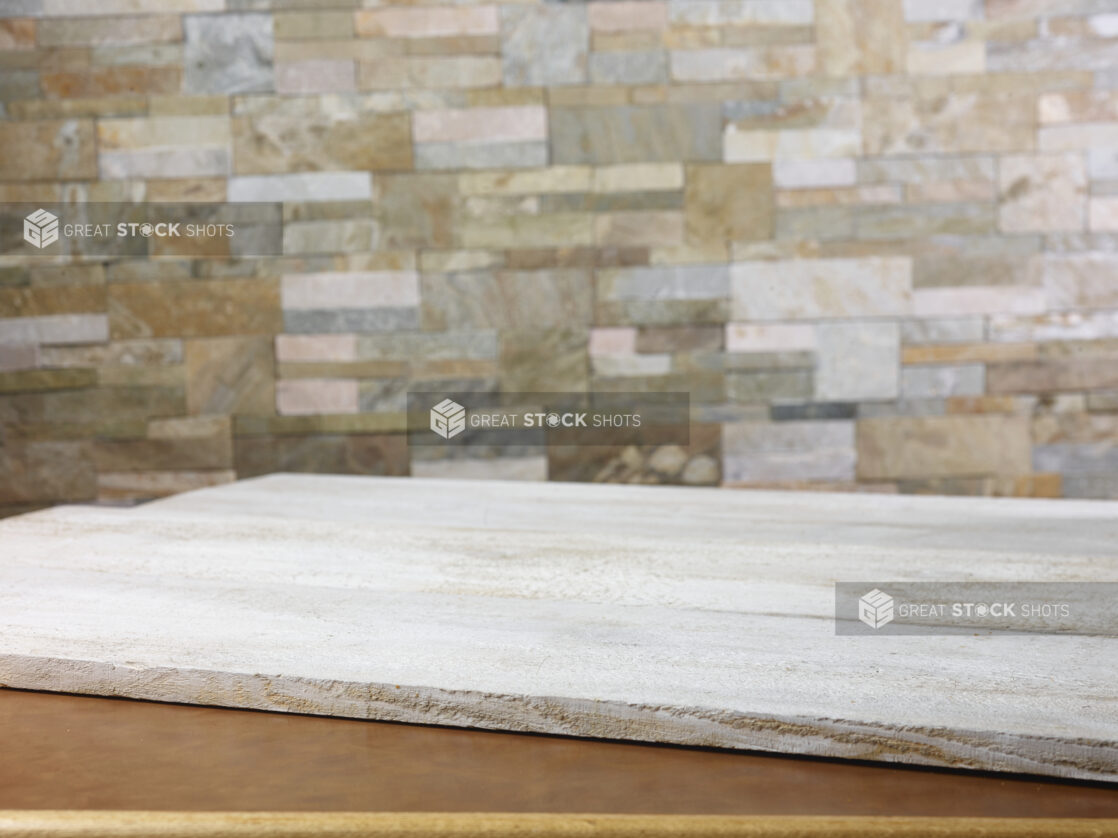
(683, 616)
(49, 824)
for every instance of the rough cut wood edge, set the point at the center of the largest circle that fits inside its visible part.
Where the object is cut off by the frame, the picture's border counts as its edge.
(99, 824)
(981, 750)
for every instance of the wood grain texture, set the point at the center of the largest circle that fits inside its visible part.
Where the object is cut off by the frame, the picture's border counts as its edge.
(688, 616)
(54, 824)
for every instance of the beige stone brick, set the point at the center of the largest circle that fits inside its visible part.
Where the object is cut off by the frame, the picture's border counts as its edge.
(554, 179)
(1042, 192)
(635, 229)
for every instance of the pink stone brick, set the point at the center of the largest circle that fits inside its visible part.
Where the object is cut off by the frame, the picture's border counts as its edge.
(316, 396)
(498, 125)
(315, 76)
(366, 289)
(613, 341)
(427, 22)
(311, 348)
(636, 14)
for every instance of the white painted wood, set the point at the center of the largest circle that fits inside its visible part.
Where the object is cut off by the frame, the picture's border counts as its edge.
(672, 615)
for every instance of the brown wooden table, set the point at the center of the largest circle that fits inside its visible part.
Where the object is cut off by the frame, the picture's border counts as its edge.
(75, 752)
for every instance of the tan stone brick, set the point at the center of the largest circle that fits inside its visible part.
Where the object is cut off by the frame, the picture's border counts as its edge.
(111, 81)
(49, 150)
(937, 446)
(860, 37)
(728, 203)
(62, 32)
(194, 308)
(634, 229)
(230, 375)
(17, 34)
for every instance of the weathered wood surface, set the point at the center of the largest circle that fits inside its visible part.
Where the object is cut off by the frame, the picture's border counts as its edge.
(692, 616)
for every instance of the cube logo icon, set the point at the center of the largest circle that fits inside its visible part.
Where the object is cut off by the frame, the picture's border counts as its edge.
(448, 419)
(40, 228)
(875, 609)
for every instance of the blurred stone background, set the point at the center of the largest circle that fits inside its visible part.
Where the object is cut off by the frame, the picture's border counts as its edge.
(875, 240)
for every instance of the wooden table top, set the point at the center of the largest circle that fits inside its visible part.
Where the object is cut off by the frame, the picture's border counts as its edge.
(76, 752)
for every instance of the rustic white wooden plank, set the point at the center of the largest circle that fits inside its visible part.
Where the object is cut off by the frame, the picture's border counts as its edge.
(670, 615)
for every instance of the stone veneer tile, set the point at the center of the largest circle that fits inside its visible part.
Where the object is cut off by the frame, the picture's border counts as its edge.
(683, 282)
(229, 53)
(728, 203)
(432, 72)
(931, 446)
(544, 44)
(308, 396)
(496, 468)
(940, 381)
(1078, 280)
(303, 186)
(1054, 375)
(860, 37)
(770, 337)
(618, 340)
(55, 329)
(1042, 192)
(626, 15)
(810, 174)
(194, 308)
(472, 125)
(629, 67)
(725, 64)
(455, 155)
(720, 13)
(48, 150)
(347, 320)
(507, 299)
(47, 471)
(932, 11)
(76, 32)
(230, 375)
(307, 348)
(857, 361)
(972, 122)
(317, 75)
(755, 452)
(368, 289)
(977, 299)
(426, 21)
(337, 453)
(750, 145)
(654, 133)
(298, 134)
(815, 288)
